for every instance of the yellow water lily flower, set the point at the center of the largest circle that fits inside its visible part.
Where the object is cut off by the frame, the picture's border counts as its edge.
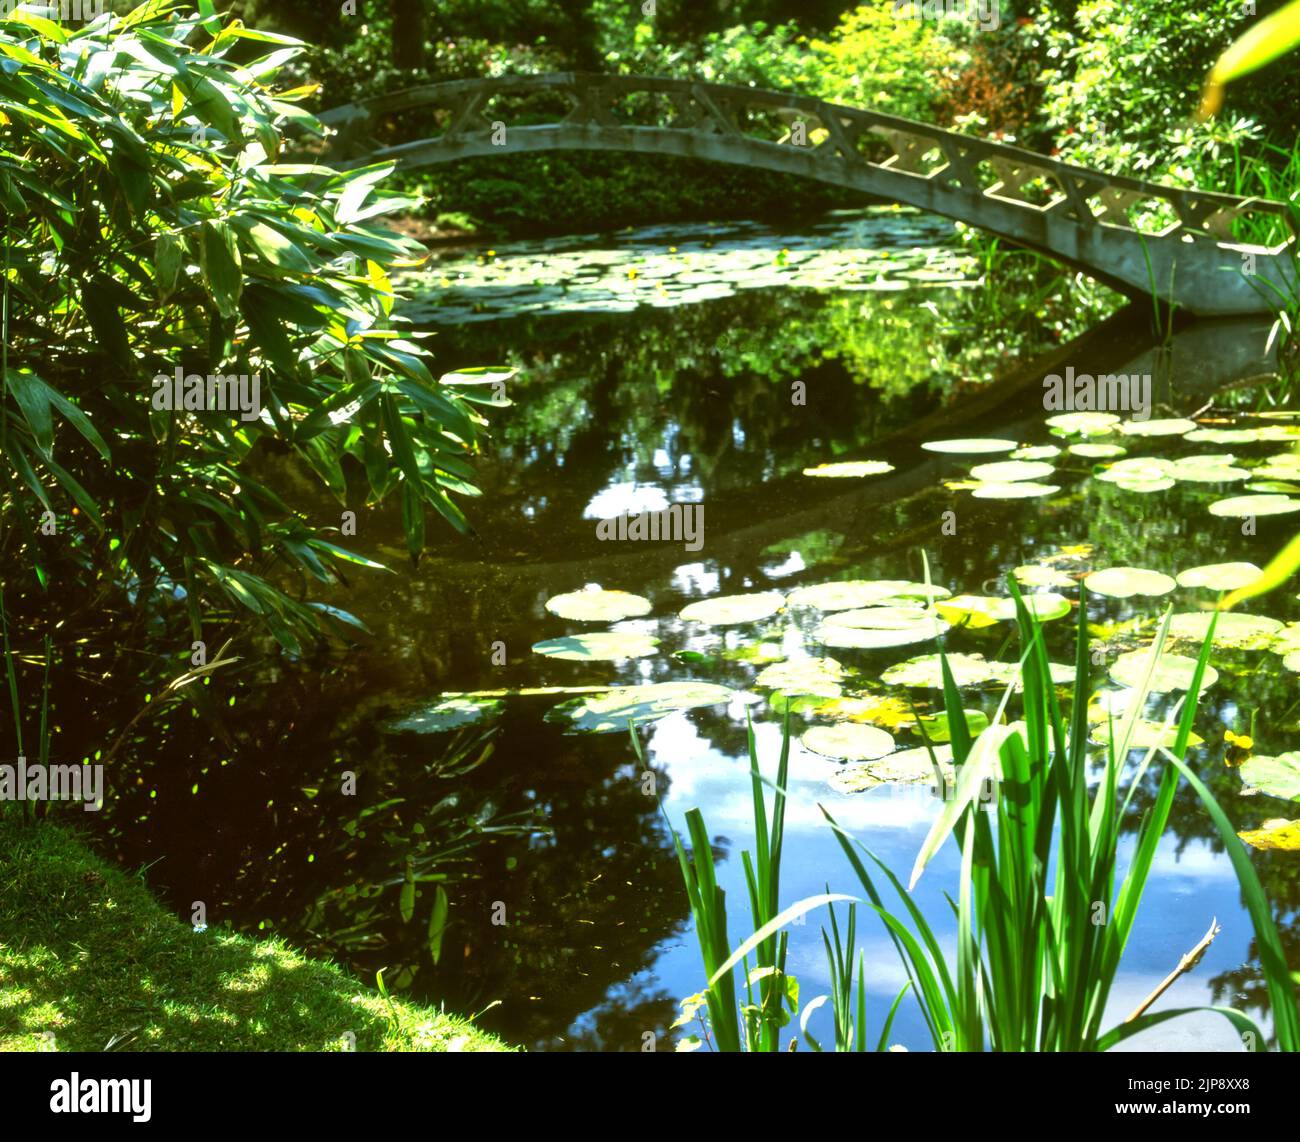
(1239, 747)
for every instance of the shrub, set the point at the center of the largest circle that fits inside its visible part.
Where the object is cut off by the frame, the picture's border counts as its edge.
(153, 224)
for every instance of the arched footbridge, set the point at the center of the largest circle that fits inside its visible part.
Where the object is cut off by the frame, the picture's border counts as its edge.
(1188, 250)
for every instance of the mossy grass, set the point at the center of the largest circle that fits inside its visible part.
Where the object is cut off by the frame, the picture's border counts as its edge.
(88, 954)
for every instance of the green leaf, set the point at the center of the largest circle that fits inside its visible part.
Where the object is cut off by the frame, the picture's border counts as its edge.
(168, 254)
(220, 263)
(276, 248)
(438, 922)
(1273, 36)
(407, 902)
(1282, 566)
(1245, 1026)
(413, 519)
(400, 440)
(33, 401)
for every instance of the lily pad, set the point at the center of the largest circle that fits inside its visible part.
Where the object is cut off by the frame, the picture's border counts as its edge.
(608, 646)
(848, 741)
(820, 676)
(1036, 452)
(1011, 471)
(1012, 490)
(1219, 576)
(1213, 469)
(1097, 451)
(1287, 640)
(1277, 433)
(984, 610)
(1146, 487)
(1084, 423)
(1241, 506)
(1285, 466)
(969, 447)
(1246, 632)
(851, 594)
(1036, 575)
(728, 610)
(1060, 674)
(1174, 426)
(1275, 834)
(898, 616)
(1172, 671)
(1275, 487)
(594, 605)
(1277, 776)
(924, 671)
(1223, 436)
(1146, 734)
(756, 653)
(1139, 474)
(1125, 582)
(906, 767)
(611, 711)
(873, 628)
(850, 469)
(445, 715)
(879, 709)
(939, 729)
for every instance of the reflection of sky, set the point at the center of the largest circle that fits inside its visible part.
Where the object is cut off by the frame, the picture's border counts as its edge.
(630, 497)
(646, 465)
(1186, 891)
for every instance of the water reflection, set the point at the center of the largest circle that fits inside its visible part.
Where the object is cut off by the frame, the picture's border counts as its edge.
(564, 897)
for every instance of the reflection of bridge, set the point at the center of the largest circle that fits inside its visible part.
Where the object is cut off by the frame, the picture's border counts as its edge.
(1079, 216)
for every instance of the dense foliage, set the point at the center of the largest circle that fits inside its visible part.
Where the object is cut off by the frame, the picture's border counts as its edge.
(1109, 85)
(155, 226)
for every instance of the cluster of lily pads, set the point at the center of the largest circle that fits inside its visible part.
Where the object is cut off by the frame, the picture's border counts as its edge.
(1274, 483)
(882, 248)
(858, 711)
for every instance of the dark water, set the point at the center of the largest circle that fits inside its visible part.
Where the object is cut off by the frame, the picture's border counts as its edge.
(567, 909)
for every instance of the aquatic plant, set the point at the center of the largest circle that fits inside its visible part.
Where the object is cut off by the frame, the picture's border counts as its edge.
(771, 994)
(1042, 924)
(1043, 914)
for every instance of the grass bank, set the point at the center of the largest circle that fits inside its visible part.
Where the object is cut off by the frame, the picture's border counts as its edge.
(88, 954)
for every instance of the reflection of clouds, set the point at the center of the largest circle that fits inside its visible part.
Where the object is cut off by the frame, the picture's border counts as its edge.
(792, 566)
(628, 496)
(1197, 861)
(703, 775)
(892, 821)
(1202, 1031)
(696, 579)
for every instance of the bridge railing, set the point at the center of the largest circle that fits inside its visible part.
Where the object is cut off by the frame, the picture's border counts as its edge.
(609, 110)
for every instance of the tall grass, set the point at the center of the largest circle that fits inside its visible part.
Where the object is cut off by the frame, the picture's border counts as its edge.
(771, 994)
(1043, 917)
(1044, 913)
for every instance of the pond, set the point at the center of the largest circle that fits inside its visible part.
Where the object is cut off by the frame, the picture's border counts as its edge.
(712, 368)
